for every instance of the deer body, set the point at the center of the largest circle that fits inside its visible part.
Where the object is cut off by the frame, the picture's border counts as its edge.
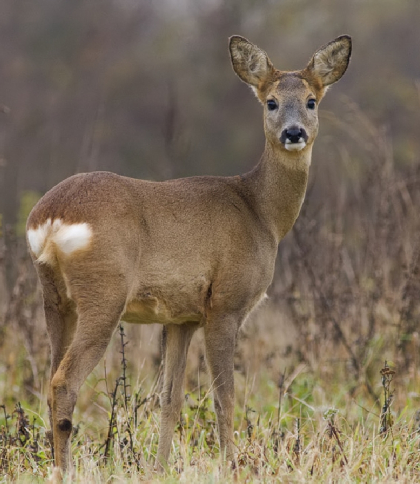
(184, 253)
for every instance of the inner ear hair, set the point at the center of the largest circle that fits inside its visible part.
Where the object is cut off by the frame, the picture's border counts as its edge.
(330, 62)
(250, 63)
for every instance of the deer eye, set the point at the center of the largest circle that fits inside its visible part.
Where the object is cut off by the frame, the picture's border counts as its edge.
(271, 105)
(311, 104)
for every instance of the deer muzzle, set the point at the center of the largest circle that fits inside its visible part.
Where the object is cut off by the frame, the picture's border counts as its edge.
(294, 138)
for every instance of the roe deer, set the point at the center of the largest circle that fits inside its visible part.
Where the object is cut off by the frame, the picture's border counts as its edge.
(186, 253)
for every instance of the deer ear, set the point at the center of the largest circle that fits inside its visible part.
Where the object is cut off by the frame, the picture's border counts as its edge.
(250, 63)
(330, 62)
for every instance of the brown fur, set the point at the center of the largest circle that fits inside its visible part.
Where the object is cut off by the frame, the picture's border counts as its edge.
(184, 253)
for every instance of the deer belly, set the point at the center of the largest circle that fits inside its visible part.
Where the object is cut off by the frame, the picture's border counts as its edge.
(148, 309)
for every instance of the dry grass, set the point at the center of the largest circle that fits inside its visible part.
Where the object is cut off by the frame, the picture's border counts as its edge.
(298, 429)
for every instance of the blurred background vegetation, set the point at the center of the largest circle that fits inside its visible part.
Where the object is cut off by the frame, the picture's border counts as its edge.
(145, 89)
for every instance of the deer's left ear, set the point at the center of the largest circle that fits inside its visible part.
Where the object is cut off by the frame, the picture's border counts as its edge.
(330, 62)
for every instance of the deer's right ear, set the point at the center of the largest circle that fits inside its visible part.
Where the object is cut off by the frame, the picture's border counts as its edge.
(250, 63)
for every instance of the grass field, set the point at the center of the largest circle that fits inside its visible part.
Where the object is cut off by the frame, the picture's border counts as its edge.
(300, 428)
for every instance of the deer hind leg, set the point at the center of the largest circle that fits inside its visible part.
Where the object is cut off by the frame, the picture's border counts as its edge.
(220, 336)
(95, 326)
(176, 341)
(61, 318)
(64, 320)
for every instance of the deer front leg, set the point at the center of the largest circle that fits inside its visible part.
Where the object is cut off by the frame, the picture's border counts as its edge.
(220, 338)
(176, 342)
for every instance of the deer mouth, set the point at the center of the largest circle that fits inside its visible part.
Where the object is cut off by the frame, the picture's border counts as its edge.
(295, 146)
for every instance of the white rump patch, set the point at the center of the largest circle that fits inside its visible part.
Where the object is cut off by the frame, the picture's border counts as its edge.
(72, 237)
(36, 237)
(66, 237)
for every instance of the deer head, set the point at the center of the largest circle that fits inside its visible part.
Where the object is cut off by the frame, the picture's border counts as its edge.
(290, 99)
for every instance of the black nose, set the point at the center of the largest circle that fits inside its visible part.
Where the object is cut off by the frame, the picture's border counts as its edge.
(294, 134)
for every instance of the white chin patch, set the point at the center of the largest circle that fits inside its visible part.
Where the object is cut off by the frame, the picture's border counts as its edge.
(295, 146)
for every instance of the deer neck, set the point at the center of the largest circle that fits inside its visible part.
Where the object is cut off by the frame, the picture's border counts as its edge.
(279, 184)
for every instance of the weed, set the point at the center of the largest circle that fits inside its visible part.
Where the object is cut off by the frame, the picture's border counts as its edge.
(386, 416)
